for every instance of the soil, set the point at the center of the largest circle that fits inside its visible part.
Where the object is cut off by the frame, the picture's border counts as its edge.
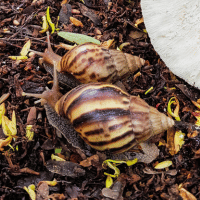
(25, 162)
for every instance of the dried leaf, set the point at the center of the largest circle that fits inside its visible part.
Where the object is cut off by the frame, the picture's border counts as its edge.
(137, 35)
(108, 43)
(65, 168)
(76, 22)
(170, 140)
(197, 115)
(90, 14)
(78, 38)
(88, 161)
(186, 195)
(3, 98)
(163, 164)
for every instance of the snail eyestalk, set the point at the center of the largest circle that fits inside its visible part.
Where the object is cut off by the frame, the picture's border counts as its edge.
(49, 56)
(48, 96)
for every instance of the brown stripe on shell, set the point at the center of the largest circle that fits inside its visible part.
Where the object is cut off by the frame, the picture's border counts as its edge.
(94, 132)
(99, 116)
(125, 147)
(102, 143)
(101, 93)
(82, 53)
(89, 63)
(65, 64)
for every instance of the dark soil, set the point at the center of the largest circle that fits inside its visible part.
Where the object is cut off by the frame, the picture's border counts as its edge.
(20, 165)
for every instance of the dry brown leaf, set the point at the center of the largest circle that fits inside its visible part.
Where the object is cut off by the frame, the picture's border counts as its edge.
(88, 161)
(170, 140)
(186, 195)
(76, 22)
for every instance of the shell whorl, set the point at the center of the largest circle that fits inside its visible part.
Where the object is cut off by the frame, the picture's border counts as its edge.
(106, 117)
(93, 63)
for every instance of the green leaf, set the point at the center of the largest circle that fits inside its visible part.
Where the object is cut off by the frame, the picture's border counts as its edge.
(78, 38)
(58, 150)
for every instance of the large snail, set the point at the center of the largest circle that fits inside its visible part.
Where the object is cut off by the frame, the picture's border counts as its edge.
(106, 117)
(92, 63)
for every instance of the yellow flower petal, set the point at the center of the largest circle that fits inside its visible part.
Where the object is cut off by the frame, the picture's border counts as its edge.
(8, 126)
(5, 142)
(174, 114)
(49, 21)
(45, 25)
(178, 140)
(2, 111)
(31, 191)
(18, 57)
(29, 133)
(109, 181)
(57, 158)
(163, 164)
(25, 48)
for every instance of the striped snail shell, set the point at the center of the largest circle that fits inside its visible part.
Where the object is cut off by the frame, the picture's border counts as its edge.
(93, 63)
(107, 118)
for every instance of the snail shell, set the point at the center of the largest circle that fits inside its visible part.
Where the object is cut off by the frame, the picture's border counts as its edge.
(107, 118)
(92, 63)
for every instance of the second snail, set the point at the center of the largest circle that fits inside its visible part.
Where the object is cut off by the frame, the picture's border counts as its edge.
(91, 63)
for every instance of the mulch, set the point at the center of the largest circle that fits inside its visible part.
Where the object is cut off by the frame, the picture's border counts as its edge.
(25, 162)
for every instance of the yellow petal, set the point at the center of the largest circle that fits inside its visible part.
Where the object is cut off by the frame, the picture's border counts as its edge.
(31, 191)
(50, 183)
(163, 164)
(45, 25)
(131, 162)
(18, 57)
(174, 114)
(8, 126)
(5, 128)
(109, 181)
(29, 133)
(178, 140)
(2, 111)
(25, 48)
(139, 21)
(123, 45)
(57, 158)
(49, 21)
(5, 142)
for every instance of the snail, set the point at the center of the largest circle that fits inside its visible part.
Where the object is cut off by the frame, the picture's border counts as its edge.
(91, 63)
(105, 116)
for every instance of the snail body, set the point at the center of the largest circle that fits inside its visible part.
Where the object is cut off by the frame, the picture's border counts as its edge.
(106, 117)
(93, 63)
